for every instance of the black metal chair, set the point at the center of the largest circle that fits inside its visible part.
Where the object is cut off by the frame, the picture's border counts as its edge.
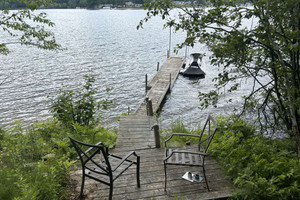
(196, 157)
(101, 166)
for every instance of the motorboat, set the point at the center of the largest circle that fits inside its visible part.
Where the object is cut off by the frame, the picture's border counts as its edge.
(192, 67)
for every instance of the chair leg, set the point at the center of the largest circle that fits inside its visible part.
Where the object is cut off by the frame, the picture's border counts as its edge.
(111, 188)
(138, 172)
(82, 183)
(205, 179)
(165, 168)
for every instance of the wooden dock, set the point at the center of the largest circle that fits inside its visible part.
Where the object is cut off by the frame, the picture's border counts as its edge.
(161, 84)
(136, 133)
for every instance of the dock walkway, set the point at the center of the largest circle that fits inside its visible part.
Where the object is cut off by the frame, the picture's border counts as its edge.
(161, 84)
(135, 133)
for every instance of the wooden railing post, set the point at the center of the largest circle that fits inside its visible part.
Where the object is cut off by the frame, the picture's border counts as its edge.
(170, 82)
(150, 108)
(146, 83)
(156, 135)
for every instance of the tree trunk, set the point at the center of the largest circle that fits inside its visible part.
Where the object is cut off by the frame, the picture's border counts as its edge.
(287, 86)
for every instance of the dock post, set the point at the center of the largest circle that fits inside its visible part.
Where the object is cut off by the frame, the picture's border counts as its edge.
(149, 107)
(170, 81)
(157, 66)
(156, 135)
(147, 99)
(146, 82)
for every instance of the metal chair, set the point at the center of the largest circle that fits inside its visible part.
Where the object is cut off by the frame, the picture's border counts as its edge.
(101, 166)
(195, 157)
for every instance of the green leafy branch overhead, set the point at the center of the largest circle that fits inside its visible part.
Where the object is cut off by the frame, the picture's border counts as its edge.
(27, 27)
(255, 43)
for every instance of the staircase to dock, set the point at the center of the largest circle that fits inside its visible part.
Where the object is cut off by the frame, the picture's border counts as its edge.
(136, 130)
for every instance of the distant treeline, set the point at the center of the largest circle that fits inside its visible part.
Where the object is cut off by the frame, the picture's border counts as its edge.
(15, 4)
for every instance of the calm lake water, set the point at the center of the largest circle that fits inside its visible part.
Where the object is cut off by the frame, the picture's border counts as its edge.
(108, 43)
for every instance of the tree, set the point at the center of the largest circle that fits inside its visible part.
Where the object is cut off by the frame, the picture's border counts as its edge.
(26, 26)
(91, 4)
(266, 53)
(72, 3)
(82, 3)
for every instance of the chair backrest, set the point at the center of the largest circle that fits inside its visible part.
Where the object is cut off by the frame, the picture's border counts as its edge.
(87, 152)
(207, 134)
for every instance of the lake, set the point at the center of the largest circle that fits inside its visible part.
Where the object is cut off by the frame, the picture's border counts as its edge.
(108, 43)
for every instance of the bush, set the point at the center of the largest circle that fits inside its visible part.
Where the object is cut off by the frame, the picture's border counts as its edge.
(35, 162)
(31, 176)
(177, 126)
(8, 188)
(260, 167)
(79, 106)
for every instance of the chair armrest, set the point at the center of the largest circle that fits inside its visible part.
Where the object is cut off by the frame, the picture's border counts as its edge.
(180, 134)
(91, 148)
(124, 159)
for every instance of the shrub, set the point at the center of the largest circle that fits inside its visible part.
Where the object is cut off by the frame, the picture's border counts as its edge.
(260, 167)
(177, 126)
(80, 106)
(35, 162)
(8, 188)
(30, 177)
(26, 169)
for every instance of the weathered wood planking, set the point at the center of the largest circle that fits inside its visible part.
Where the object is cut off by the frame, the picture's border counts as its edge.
(171, 66)
(152, 181)
(161, 84)
(135, 132)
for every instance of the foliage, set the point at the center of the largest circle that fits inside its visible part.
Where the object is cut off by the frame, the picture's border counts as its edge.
(1, 137)
(91, 4)
(35, 163)
(93, 135)
(261, 168)
(8, 188)
(26, 26)
(265, 53)
(177, 126)
(29, 175)
(80, 106)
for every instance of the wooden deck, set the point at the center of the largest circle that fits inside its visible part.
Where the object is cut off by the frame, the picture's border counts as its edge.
(135, 133)
(152, 181)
